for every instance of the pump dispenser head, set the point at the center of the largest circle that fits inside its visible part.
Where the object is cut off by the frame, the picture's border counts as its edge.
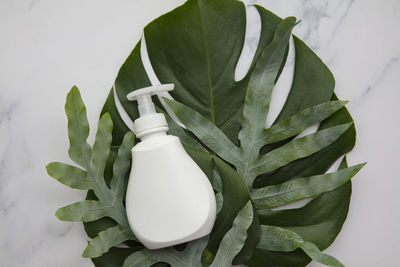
(149, 121)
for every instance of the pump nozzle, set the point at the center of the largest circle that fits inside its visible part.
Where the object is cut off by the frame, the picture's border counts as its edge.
(149, 121)
(143, 97)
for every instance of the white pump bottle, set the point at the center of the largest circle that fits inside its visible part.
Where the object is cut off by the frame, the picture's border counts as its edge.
(169, 199)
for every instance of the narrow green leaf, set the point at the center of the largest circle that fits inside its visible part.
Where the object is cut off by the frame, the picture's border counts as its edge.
(69, 175)
(300, 121)
(277, 195)
(216, 178)
(120, 127)
(262, 81)
(206, 131)
(83, 211)
(279, 239)
(101, 147)
(122, 165)
(299, 148)
(219, 198)
(78, 128)
(235, 238)
(107, 239)
(314, 253)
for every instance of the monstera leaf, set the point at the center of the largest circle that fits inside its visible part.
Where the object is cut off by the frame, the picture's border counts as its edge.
(252, 168)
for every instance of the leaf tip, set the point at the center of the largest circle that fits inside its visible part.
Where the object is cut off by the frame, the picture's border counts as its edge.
(106, 115)
(48, 168)
(291, 19)
(74, 90)
(347, 125)
(130, 135)
(361, 165)
(91, 252)
(59, 214)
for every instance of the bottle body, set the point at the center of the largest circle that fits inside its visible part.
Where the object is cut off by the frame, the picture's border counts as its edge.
(169, 199)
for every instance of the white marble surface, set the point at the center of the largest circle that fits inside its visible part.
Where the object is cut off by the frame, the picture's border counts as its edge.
(47, 46)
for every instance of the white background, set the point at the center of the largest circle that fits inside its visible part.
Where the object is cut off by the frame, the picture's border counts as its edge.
(47, 46)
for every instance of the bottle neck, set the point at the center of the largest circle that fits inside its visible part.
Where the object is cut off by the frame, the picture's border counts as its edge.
(150, 125)
(153, 135)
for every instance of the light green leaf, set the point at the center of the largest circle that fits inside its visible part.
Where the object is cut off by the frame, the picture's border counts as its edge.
(101, 148)
(281, 194)
(122, 165)
(175, 129)
(69, 175)
(235, 238)
(279, 239)
(300, 121)
(206, 131)
(262, 81)
(298, 148)
(216, 180)
(105, 240)
(109, 202)
(82, 211)
(78, 128)
(219, 198)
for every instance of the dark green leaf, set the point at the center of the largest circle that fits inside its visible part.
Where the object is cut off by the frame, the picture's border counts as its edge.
(115, 257)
